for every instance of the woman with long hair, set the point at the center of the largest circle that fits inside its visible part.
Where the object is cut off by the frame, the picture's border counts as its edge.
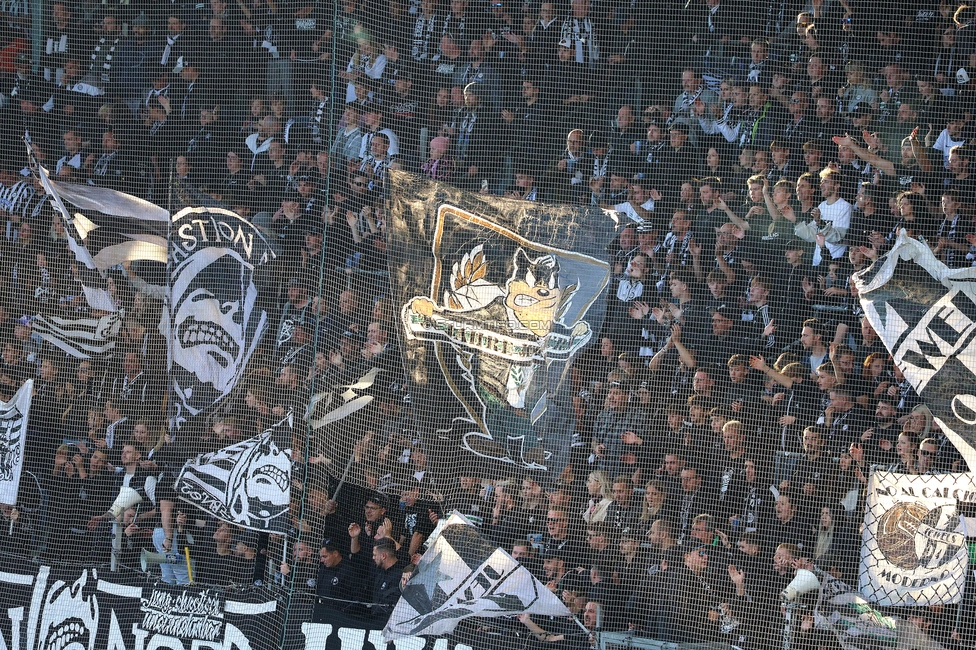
(598, 490)
(652, 505)
(833, 549)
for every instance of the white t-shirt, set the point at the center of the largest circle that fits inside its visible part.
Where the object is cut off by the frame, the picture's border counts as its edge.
(944, 143)
(837, 215)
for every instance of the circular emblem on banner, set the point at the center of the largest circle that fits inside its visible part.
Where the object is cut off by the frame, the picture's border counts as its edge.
(912, 536)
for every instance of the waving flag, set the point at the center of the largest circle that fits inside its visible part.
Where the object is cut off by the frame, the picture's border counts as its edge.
(925, 313)
(247, 484)
(463, 575)
(82, 338)
(13, 428)
(106, 228)
(495, 298)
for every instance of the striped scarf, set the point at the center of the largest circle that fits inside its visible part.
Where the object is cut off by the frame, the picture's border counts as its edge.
(106, 64)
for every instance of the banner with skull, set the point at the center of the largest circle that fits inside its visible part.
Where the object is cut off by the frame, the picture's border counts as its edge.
(51, 608)
(13, 429)
(247, 484)
(214, 321)
(914, 550)
(506, 295)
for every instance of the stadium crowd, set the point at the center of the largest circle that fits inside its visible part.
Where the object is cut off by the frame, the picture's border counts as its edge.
(759, 153)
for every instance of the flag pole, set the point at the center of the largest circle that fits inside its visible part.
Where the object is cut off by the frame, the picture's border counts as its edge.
(189, 567)
(345, 475)
(582, 627)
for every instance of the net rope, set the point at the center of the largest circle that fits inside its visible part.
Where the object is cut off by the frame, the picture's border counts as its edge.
(731, 423)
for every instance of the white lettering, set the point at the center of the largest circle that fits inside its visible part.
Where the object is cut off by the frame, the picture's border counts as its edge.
(140, 636)
(408, 643)
(351, 638)
(316, 635)
(235, 639)
(16, 615)
(115, 640)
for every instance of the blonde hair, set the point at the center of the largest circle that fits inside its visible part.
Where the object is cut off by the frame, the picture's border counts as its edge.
(603, 479)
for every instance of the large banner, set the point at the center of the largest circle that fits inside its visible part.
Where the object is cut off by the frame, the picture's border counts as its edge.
(914, 550)
(507, 293)
(246, 484)
(49, 608)
(214, 321)
(13, 429)
(55, 608)
(925, 313)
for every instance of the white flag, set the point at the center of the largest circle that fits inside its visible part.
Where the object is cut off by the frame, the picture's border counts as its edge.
(82, 338)
(247, 484)
(925, 313)
(463, 575)
(13, 430)
(914, 550)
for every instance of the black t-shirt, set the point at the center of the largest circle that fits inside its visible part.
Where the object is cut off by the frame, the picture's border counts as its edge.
(905, 176)
(416, 518)
(966, 188)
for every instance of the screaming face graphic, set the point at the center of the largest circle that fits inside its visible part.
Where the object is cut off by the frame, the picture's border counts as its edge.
(263, 473)
(215, 324)
(212, 319)
(70, 615)
(247, 483)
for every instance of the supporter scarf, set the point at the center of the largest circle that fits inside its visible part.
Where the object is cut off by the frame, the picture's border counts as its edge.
(106, 64)
(170, 42)
(422, 31)
(101, 167)
(457, 32)
(583, 35)
(687, 100)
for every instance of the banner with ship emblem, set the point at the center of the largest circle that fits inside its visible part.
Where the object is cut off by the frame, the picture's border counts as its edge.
(507, 294)
(914, 550)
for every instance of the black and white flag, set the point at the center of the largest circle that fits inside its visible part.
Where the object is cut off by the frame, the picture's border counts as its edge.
(495, 297)
(106, 228)
(13, 429)
(925, 313)
(852, 619)
(247, 484)
(214, 321)
(463, 575)
(859, 625)
(914, 550)
(81, 338)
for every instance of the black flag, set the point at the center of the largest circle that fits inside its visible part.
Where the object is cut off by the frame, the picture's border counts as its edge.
(495, 297)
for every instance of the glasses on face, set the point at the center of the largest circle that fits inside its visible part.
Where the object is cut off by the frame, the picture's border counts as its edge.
(555, 520)
(702, 554)
(372, 507)
(794, 100)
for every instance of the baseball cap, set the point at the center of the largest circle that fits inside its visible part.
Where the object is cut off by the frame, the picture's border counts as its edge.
(724, 310)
